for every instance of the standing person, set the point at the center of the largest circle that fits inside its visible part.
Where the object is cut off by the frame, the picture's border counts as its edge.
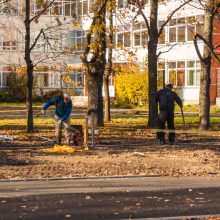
(167, 98)
(63, 110)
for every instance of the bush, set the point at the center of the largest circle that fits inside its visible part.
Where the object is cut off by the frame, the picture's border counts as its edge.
(16, 88)
(131, 85)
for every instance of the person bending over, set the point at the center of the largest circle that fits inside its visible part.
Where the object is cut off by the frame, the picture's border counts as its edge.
(63, 111)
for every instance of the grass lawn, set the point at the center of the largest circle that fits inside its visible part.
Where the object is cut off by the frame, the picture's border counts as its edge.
(188, 108)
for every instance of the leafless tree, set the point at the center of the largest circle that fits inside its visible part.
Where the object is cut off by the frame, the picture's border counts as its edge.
(211, 8)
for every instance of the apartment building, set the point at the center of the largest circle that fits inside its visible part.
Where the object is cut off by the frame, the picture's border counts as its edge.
(54, 49)
(178, 61)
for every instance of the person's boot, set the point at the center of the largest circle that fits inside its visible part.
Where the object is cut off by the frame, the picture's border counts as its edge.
(68, 142)
(162, 141)
(58, 141)
(172, 141)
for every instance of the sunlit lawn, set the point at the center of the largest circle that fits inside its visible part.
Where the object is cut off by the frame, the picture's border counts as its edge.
(191, 122)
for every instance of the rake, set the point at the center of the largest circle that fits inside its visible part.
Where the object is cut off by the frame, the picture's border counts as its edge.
(184, 125)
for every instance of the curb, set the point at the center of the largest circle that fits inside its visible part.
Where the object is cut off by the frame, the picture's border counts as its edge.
(80, 178)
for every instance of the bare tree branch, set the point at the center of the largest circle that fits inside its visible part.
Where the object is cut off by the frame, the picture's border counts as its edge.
(166, 51)
(137, 3)
(210, 46)
(197, 48)
(36, 39)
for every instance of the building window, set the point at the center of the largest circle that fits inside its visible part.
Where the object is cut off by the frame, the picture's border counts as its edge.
(181, 34)
(161, 74)
(137, 39)
(123, 38)
(121, 4)
(180, 73)
(8, 7)
(127, 39)
(183, 29)
(85, 7)
(46, 80)
(140, 34)
(78, 79)
(59, 7)
(184, 73)
(120, 39)
(4, 78)
(172, 34)
(8, 40)
(75, 40)
(193, 73)
(162, 37)
(190, 32)
(144, 38)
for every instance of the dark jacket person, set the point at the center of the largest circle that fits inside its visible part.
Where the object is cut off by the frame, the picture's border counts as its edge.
(167, 98)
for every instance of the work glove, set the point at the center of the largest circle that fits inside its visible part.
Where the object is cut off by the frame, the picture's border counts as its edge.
(43, 112)
(59, 122)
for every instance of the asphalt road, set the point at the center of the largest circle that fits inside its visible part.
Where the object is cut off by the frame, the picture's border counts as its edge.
(110, 198)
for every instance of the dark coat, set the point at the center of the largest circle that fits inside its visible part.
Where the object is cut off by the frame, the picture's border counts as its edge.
(167, 98)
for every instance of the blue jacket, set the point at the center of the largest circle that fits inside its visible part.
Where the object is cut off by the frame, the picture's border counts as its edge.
(63, 110)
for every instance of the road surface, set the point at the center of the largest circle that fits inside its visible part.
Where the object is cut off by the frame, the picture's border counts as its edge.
(110, 198)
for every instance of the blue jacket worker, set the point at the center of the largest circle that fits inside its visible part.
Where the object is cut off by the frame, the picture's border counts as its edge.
(166, 99)
(63, 111)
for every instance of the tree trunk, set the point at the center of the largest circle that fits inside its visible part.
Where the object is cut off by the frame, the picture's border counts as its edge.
(205, 79)
(96, 66)
(108, 68)
(152, 65)
(107, 98)
(100, 98)
(92, 85)
(29, 64)
(204, 98)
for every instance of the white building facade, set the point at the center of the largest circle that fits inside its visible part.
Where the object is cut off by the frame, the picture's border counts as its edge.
(179, 62)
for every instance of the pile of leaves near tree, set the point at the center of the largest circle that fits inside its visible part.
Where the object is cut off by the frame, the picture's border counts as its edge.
(131, 85)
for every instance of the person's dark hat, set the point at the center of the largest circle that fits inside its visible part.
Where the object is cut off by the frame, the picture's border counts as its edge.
(169, 86)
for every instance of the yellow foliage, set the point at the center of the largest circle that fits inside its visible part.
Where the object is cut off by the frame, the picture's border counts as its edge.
(131, 84)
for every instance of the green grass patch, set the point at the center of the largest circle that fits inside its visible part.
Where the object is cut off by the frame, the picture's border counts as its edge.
(186, 108)
(191, 122)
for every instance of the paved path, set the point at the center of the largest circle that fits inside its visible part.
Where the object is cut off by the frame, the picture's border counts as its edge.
(80, 113)
(110, 198)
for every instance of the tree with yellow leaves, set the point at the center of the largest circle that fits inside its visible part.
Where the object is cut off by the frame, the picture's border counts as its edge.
(131, 85)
